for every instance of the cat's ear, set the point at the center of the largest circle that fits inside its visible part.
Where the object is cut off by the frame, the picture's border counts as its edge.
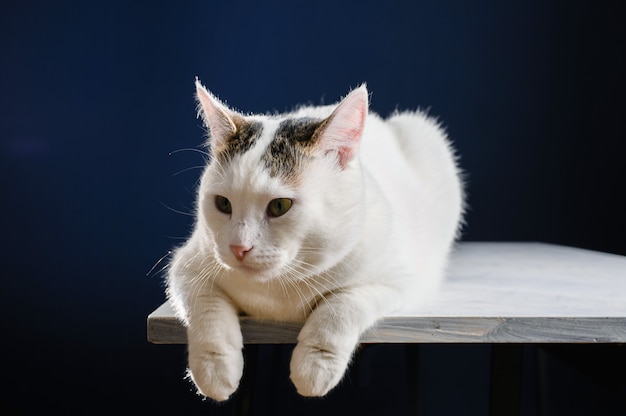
(342, 130)
(218, 118)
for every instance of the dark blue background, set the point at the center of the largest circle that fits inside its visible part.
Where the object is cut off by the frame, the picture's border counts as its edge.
(95, 97)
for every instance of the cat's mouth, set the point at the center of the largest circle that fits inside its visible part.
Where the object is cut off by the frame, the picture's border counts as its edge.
(252, 268)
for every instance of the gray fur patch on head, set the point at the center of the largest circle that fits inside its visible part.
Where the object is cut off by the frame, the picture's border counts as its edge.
(293, 142)
(246, 134)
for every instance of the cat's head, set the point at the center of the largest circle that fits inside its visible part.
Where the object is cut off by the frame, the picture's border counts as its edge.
(282, 194)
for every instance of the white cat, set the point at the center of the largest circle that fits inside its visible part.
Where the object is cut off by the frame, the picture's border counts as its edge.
(328, 216)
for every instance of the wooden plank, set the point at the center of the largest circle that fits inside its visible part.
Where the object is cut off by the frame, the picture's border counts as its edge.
(164, 327)
(428, 330)
(495, 293)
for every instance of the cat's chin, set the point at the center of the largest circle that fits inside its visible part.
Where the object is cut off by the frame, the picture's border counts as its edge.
(253, 273)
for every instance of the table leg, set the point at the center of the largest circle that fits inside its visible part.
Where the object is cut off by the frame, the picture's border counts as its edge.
(506, 379)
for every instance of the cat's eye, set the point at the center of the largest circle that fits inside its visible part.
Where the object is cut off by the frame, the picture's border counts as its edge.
(223, 204)
(279, 206)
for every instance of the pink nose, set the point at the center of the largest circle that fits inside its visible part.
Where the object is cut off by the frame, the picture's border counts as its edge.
(240, 251)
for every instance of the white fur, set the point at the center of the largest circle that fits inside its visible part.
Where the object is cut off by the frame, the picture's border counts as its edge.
(363, 237)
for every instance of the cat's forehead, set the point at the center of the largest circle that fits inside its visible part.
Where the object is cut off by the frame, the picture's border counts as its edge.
(246, 178)
(279, 146)
(292, 142)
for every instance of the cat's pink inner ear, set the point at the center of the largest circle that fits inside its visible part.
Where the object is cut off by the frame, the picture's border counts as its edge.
(217, 117)
(342, 133)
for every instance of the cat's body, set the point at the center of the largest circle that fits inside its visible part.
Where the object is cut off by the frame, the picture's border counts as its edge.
(327, 216)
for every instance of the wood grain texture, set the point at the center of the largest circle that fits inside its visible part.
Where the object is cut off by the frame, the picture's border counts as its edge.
(494, 293)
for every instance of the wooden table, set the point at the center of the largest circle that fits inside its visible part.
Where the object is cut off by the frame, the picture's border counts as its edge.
(494, 293)
(497, 293)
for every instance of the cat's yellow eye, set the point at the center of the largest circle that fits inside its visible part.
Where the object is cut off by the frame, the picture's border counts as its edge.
(279, 206)
(223, 204)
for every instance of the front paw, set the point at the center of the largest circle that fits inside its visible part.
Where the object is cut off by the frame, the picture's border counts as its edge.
(216, 375)
(314, 371)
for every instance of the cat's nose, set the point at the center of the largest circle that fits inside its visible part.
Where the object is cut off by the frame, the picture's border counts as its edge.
(240, 251)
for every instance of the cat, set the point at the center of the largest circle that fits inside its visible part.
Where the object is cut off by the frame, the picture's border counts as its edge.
(329, 215)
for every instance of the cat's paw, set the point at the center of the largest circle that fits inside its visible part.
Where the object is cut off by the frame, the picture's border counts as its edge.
(314, 371)
(216, 375)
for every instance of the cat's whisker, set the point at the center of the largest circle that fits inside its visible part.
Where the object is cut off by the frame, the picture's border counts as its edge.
(190, 149)
(198, 286)
(210, 272)
(158, 262)
(283, 287)
(317, 294)
(331, 277)
(198, 282)
(189, 214)
(215, 269)
(312, 249)
(292, 277)
(163, 269)
(187, 170)
(305, 305)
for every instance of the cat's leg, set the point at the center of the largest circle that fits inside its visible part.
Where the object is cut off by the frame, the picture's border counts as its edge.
(331, 334)
(215, 346)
